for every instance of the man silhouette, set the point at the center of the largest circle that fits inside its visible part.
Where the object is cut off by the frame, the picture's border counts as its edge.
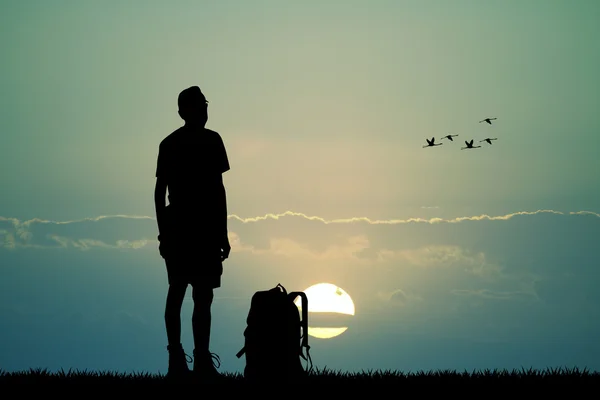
(192, 228)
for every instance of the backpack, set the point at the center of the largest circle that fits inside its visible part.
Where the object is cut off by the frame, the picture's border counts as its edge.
(275, 336)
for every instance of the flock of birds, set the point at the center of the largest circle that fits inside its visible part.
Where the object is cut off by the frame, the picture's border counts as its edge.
(469, 143)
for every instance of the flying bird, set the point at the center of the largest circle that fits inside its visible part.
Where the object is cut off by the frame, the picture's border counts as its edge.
(489, 140)
(431, 143)
(469, 145)
(488, 120)
(449, 137)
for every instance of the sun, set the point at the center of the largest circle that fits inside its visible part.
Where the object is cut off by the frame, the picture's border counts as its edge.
(327, 298)
(325, 333)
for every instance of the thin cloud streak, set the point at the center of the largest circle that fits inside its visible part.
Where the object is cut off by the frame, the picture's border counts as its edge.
(16, 221)
(435, 220)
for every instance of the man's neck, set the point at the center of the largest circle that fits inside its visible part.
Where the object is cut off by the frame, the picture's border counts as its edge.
(194, 126)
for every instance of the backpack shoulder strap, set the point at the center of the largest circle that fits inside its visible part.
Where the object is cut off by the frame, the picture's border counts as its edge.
(304, 322)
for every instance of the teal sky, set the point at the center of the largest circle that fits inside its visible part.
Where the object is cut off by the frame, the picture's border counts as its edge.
(324, 107)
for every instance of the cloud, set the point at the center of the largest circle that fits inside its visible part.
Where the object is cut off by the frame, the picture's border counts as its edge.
(87, 244)
(17, 223)
(417, 275)
(350, 220)
(434, 255)
(116, 231)
(289, 248)
(401, 261)
(398, 297)
(358, 251)
(498, 295)
(7, 239)
(110, 232)
(32, 221)
(436, 263)
(430, 274)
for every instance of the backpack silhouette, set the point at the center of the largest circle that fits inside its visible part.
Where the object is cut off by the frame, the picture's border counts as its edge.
(275, 336)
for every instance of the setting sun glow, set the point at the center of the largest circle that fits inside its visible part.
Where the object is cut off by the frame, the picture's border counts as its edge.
(327, 298)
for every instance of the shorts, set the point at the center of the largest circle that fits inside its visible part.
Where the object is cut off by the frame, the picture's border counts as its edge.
(194, 271)
(191, 249)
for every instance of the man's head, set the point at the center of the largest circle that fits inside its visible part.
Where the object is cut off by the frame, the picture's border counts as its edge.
(193, 106)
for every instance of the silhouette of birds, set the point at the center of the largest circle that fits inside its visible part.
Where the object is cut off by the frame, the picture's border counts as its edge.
(469, 145)
(488, 120)
(431, 143)
(489, 140)
(449, 137)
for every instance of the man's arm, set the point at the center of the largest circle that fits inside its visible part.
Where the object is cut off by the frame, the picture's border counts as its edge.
(160, 187)
(224, 209)
(222, 198)
(222, 163)
(160, 194)
(225, 246)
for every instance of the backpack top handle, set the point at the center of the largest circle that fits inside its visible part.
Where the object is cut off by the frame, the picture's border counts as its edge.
(280, 287)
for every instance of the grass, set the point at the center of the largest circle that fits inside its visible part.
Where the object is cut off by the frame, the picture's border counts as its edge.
(560, 376)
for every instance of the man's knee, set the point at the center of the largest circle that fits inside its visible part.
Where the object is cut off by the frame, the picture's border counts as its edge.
(202, 296)
(175, 297)
(177, 291)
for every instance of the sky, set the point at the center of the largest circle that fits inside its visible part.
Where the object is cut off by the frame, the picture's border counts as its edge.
(455, 259)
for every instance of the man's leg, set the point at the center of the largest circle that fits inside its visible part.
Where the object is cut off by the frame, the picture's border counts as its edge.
(175, 297)
(177, 357)
(201, 317)
(201, 323)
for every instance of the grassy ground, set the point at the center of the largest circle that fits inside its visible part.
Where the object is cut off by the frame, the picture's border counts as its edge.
(536, 377)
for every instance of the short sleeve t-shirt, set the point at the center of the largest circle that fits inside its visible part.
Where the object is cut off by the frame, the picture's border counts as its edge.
(191, 162)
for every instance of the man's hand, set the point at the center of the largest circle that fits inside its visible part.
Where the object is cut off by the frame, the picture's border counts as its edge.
(164, 247)
(225, 249)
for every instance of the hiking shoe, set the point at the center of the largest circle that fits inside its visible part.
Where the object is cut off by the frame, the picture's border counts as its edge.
(178, 362)
(205, 366)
